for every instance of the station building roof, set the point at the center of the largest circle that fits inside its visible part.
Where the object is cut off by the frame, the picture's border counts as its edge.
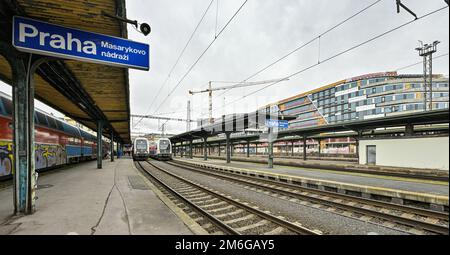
(83, 91)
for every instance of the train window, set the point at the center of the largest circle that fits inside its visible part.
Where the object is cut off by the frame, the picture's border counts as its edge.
(59, 125)
(42, 119)
(71, 130)
(1, 108)
(51, 122)
(7, 104)
(141, 144)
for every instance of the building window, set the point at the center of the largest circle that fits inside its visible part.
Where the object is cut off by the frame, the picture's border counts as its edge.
(395, 108)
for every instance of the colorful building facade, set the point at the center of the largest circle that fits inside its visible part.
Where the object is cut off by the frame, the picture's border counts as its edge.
(364, 97)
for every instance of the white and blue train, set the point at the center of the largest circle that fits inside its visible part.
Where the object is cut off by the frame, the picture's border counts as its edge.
(161, 149)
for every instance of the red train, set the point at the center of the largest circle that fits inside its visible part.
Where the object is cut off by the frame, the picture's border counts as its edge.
(56, 142)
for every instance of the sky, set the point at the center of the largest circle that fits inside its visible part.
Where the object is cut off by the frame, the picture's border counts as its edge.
(263, 31)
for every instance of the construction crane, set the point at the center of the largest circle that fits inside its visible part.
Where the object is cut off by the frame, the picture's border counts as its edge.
(236, 85)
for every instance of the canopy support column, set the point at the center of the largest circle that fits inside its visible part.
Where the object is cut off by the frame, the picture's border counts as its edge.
(270, 152)
(228, 148)
(118, 149)
(270, 141)
(248, 149)
(205, 148)
(292, 148)
(23, 170)
(99, 144)
(112, 146)
(304, 148)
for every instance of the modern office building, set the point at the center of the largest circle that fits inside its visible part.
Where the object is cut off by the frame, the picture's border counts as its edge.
(364, 97)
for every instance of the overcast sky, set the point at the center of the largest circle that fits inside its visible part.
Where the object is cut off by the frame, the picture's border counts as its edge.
(263, 31)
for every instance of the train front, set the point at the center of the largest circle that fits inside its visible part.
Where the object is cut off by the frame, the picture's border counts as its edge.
(141, 149)
(165, 149)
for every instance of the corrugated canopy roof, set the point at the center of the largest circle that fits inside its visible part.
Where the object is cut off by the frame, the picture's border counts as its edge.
(83, 91)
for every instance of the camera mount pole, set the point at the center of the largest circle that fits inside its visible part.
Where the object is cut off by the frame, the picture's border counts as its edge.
(133, 22)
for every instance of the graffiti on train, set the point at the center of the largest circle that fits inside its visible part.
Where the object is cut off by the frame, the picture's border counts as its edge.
(49, 155)
(45, 156)
(6, 158)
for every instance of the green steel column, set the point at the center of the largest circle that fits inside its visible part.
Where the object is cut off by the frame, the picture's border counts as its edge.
(270, 150)
(228, 149)
(248, 149)
(292, 149)
(191, 150)
(304, 148)
(23, 141)
(99, 144)
(219, 149)
(320, 147)
(181, 150)
(112, 147)
(357, 139)
(205, 149)
(117, 149)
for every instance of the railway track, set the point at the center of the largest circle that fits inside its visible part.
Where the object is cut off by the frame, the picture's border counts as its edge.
(412, 220)
(218, 213)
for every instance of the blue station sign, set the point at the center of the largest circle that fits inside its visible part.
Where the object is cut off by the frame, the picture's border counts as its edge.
(53, 40)
(277, 123)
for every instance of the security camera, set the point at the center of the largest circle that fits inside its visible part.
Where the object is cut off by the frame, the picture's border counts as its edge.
(145, 28)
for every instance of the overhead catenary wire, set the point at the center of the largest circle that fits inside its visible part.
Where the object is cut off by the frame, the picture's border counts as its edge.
(217, 18)
(288, 54)
(201, 56)
(421, 62)
(343, 52)
(179, 58)
(307, 43)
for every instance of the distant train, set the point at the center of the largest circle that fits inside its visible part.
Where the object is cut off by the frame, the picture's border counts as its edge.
(141, 149)
(161, 149)
(56, 142)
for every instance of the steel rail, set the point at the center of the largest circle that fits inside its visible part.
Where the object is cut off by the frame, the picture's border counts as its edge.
(435, 228)
(218, 223)
(281, 222)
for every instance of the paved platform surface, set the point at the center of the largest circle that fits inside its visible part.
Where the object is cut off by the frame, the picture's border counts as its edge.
(344, 166)
(398, 183)
(85, 200)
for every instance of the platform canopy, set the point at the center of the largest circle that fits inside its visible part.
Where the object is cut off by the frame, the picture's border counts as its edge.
(233, 123)
(418, 118)
(83, 91)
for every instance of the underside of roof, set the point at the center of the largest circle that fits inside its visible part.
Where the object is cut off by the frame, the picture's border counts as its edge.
(83, 91)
